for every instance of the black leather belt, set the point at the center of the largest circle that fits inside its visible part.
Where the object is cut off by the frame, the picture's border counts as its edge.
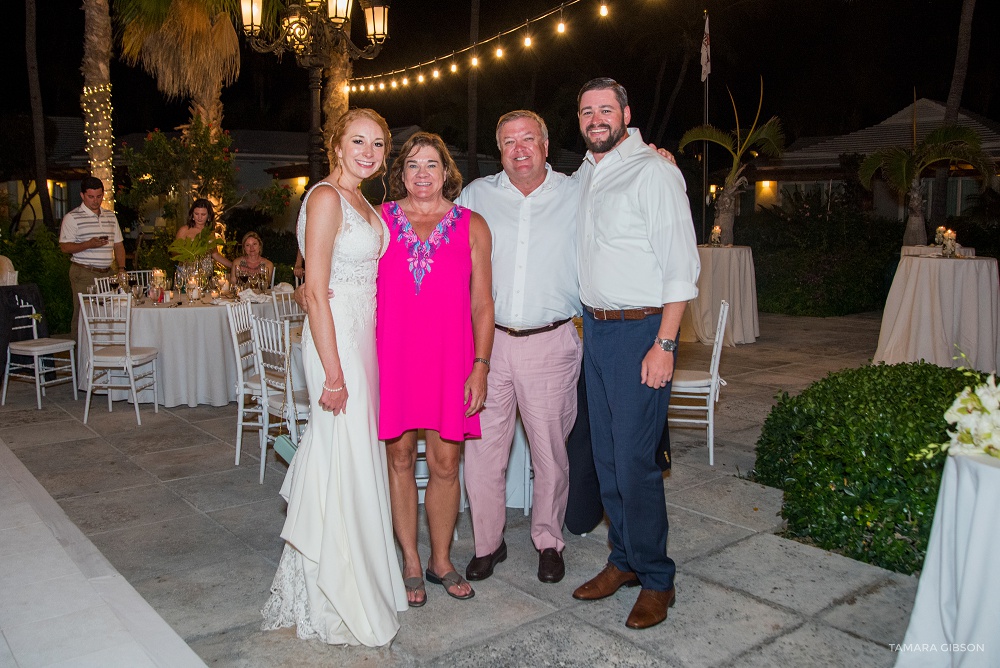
(534, 330)
(624, 314)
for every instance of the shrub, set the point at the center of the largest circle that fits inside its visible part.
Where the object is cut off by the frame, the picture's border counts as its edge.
(840, 450)
(816, 259)
(38, 260)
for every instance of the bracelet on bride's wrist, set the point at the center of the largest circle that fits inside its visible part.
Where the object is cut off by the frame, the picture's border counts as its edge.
(333, 389)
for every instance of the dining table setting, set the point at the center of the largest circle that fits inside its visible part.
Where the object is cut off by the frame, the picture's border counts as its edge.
(196, 362)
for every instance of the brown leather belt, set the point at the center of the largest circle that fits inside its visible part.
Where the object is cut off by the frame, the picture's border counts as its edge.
(534, 330)
(624, 314)
(87, 266)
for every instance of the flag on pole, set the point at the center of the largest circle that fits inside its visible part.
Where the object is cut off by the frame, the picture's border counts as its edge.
(706, 53)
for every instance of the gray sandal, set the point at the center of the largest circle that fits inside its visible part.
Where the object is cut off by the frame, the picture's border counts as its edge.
(450, 579)
(414, 584)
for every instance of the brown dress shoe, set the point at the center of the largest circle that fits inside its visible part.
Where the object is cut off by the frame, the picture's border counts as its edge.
(650, 609)
(551, 567)
(606, 583)
(481, 568)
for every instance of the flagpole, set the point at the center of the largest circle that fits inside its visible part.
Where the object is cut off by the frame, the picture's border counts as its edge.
(706, 68)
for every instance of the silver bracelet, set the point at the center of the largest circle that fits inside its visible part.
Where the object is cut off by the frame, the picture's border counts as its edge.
(483, 360)
(331, 389)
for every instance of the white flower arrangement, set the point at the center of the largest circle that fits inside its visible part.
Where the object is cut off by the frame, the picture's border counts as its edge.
(975, 415)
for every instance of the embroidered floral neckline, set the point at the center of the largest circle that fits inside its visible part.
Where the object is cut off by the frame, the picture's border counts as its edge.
(421, 252)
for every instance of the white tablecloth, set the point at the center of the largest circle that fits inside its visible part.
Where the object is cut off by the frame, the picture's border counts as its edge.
(934, 250)
(726, 273)
(958, 598)
(937, 303)
(196, 364)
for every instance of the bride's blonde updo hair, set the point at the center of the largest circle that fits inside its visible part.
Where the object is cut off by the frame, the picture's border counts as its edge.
(340, 128)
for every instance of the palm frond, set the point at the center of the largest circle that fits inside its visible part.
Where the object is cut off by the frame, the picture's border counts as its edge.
(769, 139)
(885, 161)
(711, 134)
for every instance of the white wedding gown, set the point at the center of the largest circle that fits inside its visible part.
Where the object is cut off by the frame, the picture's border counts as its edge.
(339, 579)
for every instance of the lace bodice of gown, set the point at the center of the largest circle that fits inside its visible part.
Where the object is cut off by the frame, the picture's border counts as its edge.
(357, 249)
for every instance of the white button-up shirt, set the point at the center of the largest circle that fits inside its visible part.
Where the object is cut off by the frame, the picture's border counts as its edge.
(636, 238)
(534, 247)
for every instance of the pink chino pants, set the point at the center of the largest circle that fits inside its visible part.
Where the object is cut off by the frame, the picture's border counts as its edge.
(536, 374)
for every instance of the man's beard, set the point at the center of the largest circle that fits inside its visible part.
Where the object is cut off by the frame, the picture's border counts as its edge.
(614, 136)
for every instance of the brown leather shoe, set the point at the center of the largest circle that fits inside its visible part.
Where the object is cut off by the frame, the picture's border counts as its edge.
(481, 568)
(551, 567)
(650, 609)
(606, 583)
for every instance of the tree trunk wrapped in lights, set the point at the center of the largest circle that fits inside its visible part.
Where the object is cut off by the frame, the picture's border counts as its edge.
(96, 98)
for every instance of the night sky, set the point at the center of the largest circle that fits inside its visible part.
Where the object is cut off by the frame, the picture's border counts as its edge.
(828, 66)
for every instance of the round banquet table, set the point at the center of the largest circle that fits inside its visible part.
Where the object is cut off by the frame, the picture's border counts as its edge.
(196, 363)
(953, 622)
(936, 304)
(934, 250)
(726, 273)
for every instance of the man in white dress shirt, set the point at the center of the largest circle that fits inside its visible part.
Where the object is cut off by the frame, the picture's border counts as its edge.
(531, 211)
(91, 235)
(638, 267)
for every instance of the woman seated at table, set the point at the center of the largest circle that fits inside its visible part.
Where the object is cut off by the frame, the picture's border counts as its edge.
(200, 215)
(252, 267)
(434, 335)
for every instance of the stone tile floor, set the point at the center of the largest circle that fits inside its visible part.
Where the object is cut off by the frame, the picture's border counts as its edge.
(198, 539)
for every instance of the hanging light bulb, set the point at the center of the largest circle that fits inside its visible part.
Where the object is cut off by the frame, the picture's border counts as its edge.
(604, 9)
(381, 85)
(436, 73)
(406, 81)
(371, 87)
(499, 52)
(420, 78)
(475, 61)
(561, 27)
(527, 36)
(454, 68)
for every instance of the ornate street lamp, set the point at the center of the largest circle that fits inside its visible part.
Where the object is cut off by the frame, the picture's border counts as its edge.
(318, 33)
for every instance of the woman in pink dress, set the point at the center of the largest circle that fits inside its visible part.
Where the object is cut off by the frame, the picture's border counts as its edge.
(434, 337)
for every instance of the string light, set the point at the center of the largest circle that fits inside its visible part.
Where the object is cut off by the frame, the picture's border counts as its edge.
(406, 82)
(472, 49)
(393, 84)
(381, 85)
(95, 102)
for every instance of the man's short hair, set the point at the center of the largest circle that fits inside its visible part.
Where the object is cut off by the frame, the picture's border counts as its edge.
(604, 83)
(521, 113)
(91, 183)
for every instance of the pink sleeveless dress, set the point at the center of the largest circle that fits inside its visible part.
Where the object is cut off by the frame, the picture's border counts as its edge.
(424, 327)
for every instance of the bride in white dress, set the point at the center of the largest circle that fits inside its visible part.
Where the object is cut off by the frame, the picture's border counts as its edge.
(339, 579)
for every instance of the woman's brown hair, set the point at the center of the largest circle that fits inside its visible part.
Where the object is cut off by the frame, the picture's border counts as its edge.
(452, 177)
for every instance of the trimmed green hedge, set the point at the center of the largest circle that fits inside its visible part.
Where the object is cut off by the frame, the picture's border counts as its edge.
(840, 450)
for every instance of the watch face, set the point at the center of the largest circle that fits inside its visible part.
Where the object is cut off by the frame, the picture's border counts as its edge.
(667, 344)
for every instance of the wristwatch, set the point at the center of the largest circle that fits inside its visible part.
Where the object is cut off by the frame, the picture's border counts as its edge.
(669, 345)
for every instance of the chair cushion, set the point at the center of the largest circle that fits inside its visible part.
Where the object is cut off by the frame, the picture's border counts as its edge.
(691, 379)
(41, 346)
(116, 355)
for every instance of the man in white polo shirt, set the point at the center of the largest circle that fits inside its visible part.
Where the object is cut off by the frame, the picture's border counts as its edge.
(531, 211)
(91, 235)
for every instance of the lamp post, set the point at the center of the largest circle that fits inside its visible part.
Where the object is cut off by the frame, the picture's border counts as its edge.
(318, 33)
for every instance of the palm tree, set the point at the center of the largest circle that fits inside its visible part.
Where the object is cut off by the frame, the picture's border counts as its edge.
(189, 46)
(939, 203)
(37, 114)
(902, 169)
(95, 101)
(767, 139)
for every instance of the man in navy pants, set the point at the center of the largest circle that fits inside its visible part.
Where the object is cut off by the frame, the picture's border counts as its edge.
(638, 268)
